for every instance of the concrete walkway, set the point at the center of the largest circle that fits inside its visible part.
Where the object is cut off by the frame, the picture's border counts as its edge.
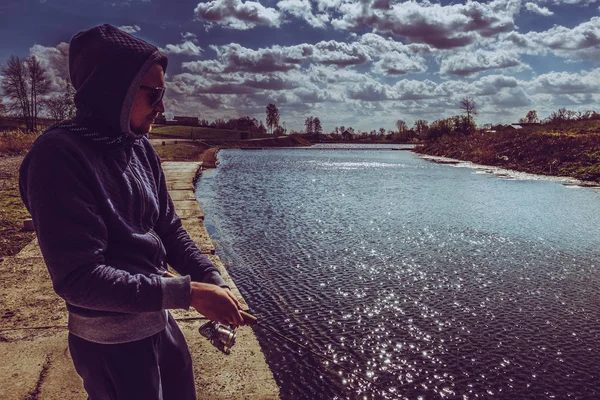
(36, 363)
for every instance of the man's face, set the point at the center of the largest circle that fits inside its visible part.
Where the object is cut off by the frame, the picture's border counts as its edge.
(142, 113)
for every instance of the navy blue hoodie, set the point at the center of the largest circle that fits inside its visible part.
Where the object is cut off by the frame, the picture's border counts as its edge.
(98, 198)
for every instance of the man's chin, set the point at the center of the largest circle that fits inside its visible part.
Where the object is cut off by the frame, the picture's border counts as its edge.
(144, 129)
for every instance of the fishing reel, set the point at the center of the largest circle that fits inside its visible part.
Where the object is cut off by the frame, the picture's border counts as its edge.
(220, 335)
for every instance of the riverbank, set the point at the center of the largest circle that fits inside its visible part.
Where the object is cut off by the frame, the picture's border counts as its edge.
(33, 334)
(575, 156)
(12, 211)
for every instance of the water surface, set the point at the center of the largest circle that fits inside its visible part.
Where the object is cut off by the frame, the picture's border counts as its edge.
(431, 280)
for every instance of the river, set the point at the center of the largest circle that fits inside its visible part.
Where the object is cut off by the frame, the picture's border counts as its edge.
(431, 280)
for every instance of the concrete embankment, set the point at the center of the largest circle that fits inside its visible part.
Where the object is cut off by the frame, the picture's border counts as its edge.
(33, 338)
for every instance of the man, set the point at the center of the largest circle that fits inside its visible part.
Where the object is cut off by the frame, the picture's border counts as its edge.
(107, 228)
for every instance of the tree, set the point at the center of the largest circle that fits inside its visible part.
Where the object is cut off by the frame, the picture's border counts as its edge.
(56, 108)
(530, 118)
(2, 110)
(61, 106)
(272, 116)
(279, 131)
(39, 85)
(468, 106)
(15, 87)
(24, 81)
(382, 131)
(261, 128)
(318, 130)
(69, 97)
(308, 124)
(421, 127)
(401, 125)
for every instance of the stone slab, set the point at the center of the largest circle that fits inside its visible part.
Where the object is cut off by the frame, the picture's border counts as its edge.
(182, 195)
(199, 234)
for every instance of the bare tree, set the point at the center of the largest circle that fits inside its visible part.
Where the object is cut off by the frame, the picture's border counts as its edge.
(309, 125)
(401, 125)
(2, 110)
(24, 83)
(272, 116)
(15, 87)
(69, 98)
(421, 127)
(56, 107)
(317, 126)
(39, 85)
(468, 106)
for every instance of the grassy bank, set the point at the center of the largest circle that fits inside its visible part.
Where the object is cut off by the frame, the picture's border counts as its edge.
(13, 146)
(186, 151)
(538, 152)
(12, 210)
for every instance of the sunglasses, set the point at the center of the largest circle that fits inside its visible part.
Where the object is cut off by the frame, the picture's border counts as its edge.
(156, 94)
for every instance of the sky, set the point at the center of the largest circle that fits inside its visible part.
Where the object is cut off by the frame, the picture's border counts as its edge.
(365, 63)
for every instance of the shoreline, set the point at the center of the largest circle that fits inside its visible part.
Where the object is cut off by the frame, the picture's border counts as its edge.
(507, 173)
(571, 157)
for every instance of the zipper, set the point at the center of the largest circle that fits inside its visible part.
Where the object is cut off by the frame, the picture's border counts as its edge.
(158, 242)
(138, 181)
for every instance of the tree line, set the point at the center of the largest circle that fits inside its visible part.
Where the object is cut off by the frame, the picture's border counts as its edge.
(26, 90)
(26, 86)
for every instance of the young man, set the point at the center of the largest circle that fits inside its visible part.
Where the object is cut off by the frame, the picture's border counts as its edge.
(107, 228)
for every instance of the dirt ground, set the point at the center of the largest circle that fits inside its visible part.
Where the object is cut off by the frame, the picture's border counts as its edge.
(12, 210)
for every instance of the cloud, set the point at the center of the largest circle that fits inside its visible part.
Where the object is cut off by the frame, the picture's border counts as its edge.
(465, 64)
(511, 98)
(187, 48)
(235, 57)
(340, 53)
(567, 83)
(443, 27)
(130, 28)
(55, 60)
(189, 36)
(204, 67)
(581, 42)
(538, 10)
(303, 9)
(369, 91)
(236, 14)
(399, 64)
(492, 84)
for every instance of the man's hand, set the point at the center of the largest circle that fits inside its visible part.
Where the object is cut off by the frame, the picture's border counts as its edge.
(216, 303)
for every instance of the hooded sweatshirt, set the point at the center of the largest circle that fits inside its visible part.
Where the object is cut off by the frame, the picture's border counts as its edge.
(103, 216)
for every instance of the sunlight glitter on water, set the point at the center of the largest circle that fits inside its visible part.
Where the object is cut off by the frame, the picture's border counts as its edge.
(435, 281)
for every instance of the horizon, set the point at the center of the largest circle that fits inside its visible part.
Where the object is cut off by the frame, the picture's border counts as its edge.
(350, 63)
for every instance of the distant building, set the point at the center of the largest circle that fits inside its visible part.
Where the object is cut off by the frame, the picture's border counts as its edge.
(188, 121)
(346, 135)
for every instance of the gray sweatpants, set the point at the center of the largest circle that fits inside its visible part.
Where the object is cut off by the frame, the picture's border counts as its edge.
(155, 368)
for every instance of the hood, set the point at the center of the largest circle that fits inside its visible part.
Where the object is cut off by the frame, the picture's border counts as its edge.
(107, 66)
